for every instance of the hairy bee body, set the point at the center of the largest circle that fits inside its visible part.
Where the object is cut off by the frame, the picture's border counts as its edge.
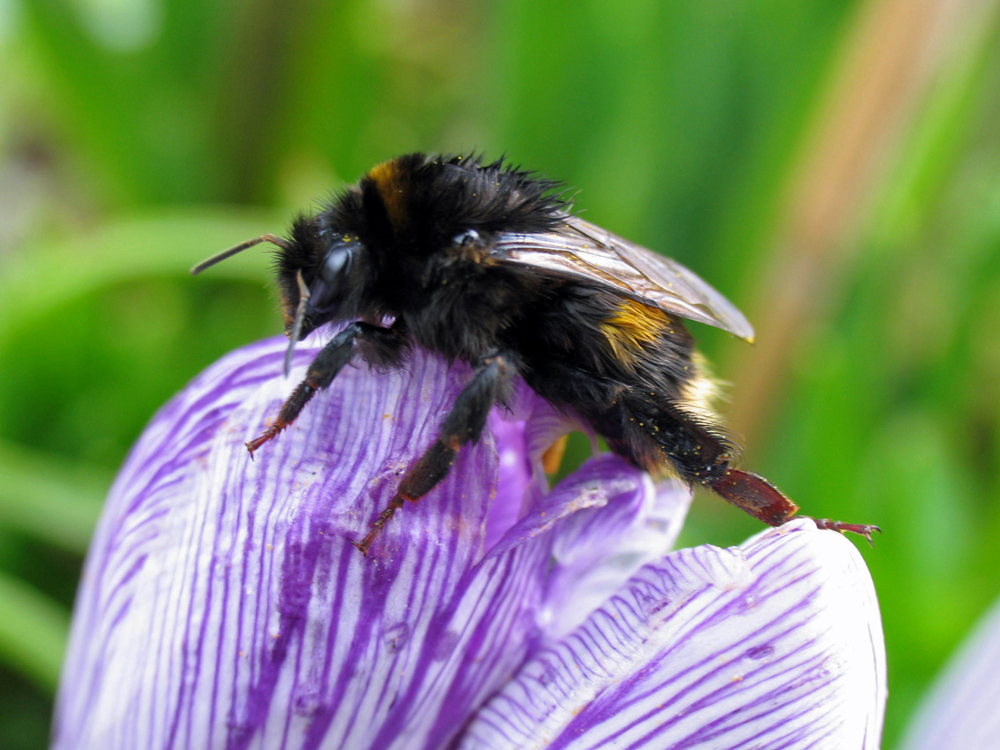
(627, 370)
(486, 263)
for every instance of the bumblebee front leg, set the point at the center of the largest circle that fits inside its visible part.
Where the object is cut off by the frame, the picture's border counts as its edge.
(464, 424)
(387, 342)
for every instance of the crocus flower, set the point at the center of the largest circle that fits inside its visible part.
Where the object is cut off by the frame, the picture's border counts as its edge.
(223, 606)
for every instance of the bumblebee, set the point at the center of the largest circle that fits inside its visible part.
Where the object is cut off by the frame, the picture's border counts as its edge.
(487, 263)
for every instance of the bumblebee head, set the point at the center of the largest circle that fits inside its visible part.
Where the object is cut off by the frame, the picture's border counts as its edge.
(375, 247)
(319, 271)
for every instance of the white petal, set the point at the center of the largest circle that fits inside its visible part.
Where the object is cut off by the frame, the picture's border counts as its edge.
(776, 644)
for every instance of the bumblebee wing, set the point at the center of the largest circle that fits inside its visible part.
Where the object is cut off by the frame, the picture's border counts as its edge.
(582, 249)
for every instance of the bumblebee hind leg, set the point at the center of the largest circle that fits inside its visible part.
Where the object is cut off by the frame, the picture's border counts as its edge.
(764, 501)
(705, 458)
(755, 495)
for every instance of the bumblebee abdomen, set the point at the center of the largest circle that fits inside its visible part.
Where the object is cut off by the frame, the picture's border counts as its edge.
(579, 332)
(632, 327)
(629, 370)
(651, 344)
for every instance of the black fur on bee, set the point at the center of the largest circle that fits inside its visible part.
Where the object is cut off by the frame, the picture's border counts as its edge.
(486, 263)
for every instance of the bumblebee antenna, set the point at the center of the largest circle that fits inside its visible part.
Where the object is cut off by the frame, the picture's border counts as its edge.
(273, 239)
(300, 316)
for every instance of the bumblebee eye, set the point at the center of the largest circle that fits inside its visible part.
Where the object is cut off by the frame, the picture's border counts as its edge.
(337, 261)
(467, 238)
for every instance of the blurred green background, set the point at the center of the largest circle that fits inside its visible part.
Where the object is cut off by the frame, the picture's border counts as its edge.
(833, 167)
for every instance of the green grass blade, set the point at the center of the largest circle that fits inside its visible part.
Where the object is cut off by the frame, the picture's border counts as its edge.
(33, 632)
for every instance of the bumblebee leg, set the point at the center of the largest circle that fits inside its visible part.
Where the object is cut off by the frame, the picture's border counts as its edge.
(464, 424)
(324, 368)
(755, 495)
(764, 501)
(864, 529)
(702, 457)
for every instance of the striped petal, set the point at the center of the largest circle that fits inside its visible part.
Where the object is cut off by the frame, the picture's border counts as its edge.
(223, 606)
(774, 644)
(962, 710)
(607, 520)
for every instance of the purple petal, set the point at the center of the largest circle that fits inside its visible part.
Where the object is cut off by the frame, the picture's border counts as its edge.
(774, 644)
(223, 605)
(609, 520)
(523, 433)
(962, 710)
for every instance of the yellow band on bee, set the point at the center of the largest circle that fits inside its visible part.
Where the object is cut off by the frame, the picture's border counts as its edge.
(632, 327)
